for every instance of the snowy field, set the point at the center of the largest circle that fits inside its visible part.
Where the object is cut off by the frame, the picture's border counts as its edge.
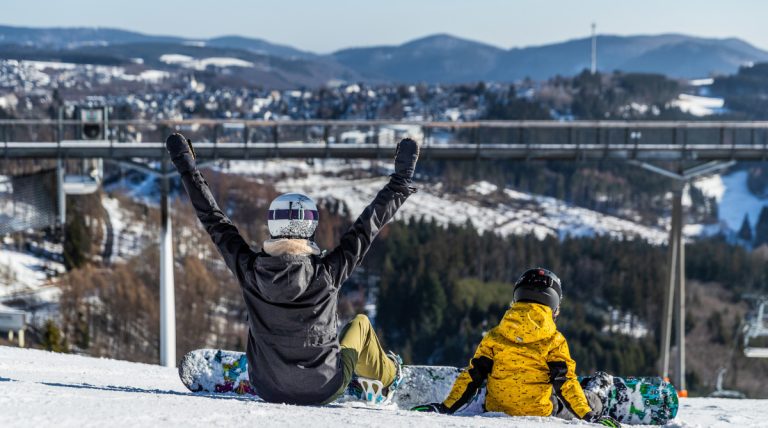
(38, 388)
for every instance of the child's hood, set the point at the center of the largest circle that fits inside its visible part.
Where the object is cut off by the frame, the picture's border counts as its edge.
(526, 322)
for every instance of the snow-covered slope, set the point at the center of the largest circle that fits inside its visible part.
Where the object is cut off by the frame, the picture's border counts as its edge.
(126, 237)
(733, 198)
(28, 277)
(503, 211)
(24, 272)
(507, 212)
(46, 389)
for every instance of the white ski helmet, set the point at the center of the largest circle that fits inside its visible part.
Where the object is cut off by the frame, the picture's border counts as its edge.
(292, 215)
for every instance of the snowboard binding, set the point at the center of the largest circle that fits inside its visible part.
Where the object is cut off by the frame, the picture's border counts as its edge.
(373, 391)
(369, 390)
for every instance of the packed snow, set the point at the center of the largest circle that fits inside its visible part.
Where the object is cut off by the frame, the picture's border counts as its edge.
(733, 198)
(46, 389)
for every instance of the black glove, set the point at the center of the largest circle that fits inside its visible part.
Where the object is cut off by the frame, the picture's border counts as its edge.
(431, 408)
(405, 158)
(607, 421)
(181, 152)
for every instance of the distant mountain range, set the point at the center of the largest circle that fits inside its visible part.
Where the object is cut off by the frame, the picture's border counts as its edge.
(449, 59)
(440, 58)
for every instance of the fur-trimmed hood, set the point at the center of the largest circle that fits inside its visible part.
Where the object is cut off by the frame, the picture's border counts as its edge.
(287, 271)
(293, 247)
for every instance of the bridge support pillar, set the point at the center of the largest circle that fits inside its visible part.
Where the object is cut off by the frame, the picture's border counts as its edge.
(167, 298)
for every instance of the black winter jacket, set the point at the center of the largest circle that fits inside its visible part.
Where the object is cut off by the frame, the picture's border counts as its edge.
(293, 345)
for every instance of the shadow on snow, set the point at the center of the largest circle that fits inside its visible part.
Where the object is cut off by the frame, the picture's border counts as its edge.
(132, 389)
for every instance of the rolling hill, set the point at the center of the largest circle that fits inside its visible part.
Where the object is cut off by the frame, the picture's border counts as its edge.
(444, 58)
(440, 58)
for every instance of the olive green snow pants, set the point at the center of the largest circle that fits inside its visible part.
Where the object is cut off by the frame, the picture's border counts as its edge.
(362, 355)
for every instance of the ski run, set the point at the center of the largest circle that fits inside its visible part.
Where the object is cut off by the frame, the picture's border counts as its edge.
(43, 389)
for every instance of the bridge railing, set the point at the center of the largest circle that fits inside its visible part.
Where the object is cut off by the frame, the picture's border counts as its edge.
(359, 138)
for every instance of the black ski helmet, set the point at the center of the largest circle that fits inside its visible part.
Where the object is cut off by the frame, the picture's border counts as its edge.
(539, 285)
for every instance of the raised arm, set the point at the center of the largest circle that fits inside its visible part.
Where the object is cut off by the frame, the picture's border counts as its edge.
(236, 252)
(357, 240)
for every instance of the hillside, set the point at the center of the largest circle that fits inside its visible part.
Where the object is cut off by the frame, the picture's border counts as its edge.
(438, 58)
(444, 58)
(46, 389)
(74, 37)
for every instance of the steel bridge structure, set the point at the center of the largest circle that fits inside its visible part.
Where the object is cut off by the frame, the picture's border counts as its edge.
(481, 140)
(681, 151)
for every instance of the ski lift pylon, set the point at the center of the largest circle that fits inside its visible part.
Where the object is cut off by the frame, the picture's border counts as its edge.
(755, 329)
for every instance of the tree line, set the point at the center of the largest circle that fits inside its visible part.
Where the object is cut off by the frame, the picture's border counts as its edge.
(441, 288)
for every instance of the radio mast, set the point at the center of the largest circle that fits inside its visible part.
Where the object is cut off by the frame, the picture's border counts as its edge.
(594, 49)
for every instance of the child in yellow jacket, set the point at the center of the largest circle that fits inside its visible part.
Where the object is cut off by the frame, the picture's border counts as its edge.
(525, 361)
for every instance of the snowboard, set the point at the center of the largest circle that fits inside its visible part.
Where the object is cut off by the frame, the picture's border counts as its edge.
(634, 400)
(631, 400)
(220, 371)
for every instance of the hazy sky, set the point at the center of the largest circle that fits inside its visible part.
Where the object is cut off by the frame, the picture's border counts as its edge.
(326, 25)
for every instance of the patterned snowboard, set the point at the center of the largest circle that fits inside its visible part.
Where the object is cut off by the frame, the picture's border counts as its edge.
(630, 400)
(213, 370)
(635, 400)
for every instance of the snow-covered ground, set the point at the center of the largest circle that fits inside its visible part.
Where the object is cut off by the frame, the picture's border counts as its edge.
(46, 389)
(511, 213)
(733, 198)
(516, 213)
(22, 272)
(699, 105)
(37, 71)
(130, 238)
(202, 64)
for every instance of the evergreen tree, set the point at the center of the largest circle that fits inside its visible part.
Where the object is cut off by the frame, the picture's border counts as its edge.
(53, 338)
(76, 243)
(761, 228)
(82, 332)
(745, 232)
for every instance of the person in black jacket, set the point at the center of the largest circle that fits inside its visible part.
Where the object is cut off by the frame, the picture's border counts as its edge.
(291, 289)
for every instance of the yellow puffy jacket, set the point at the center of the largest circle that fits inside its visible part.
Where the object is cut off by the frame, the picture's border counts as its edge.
(525, 360)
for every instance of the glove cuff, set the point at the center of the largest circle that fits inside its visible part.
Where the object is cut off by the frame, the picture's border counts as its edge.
(401, 184)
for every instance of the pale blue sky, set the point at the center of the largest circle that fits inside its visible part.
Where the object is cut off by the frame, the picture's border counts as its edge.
(327, 25)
